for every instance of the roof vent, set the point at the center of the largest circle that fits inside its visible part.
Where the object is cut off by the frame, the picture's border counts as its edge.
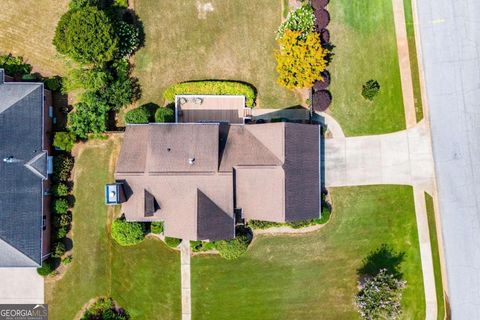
(191, 161)
(10, 159)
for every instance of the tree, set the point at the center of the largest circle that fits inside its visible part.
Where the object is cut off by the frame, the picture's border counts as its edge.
(138, 115)
(14, 66)
(88, 118)
(119, 93)
(127, 233)
(370, 89)
(300, 62)
(129, 38)
(86, 35)
(64, 140)
(380, 297)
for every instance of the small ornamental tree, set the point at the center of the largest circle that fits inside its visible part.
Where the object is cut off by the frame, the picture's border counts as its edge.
(302, 20)
(127, 233)
(300, 62)
(86, 35)
(88, 118)
(64, 140)
(380, 297)
(129, 38)
(370, 89)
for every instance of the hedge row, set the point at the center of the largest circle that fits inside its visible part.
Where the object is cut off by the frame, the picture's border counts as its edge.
(212, 87)
(260, 224)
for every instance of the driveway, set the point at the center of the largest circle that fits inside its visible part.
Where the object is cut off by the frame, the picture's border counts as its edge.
(20, 285)
(450, 41)
(403, 157)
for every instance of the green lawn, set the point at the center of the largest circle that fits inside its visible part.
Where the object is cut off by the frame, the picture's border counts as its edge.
(145, 279)
(435, 256)
(313, 276)
(234, 41)
(412, 48)
(365, 48)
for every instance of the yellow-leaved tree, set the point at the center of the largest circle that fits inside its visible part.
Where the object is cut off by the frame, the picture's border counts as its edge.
(300, 61)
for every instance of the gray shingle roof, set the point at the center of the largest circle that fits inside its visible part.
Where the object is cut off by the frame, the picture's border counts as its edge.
(21, 185)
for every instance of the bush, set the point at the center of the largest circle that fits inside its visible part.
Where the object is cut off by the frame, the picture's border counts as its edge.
(212, 87)
(380, 297)
(199, 246)
(105, 308)
(60, 206)
(156, 227)
(64, 140)
(165, 114)
(46, 268)
(119, 93)
(14, 66)
(53, 83)
(62, 221)
(67, 260)
(86, 35)
(260, 224)
(61, 233)
(370, 89)
(88, 118)
(129, 37)
(127, 233)
(86, 78)
(301, 20)
(60, 190)
(233, 249)
(138, 116)
(58, 249)
(62, 166)
(300, 62)
(172, 242)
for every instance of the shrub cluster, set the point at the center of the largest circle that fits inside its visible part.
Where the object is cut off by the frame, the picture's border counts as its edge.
(138, 115)
(99, 36)
(165, 114)
(212, 87)
(302, 20)
(62, 166)
(199, 246)
(105, 308)
(233, 249)
(127, 233)
(156, 227)
(14, 66)
(172, 242)
(46, 268)
(64, 140)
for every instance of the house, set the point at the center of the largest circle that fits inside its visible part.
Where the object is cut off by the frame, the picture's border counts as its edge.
(25, 166)
(203, 178)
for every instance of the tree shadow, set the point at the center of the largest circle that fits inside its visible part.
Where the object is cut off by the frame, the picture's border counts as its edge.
(382, 258)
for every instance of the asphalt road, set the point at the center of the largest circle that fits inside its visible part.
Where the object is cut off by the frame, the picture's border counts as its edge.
(450, 39)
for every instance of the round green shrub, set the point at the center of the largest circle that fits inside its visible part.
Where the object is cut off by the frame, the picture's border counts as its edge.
(67, 260)
(46, 268)
(156, 227)
(61, 233)
(60, 190)
(138, 115)
(127, 233)
(86, 35)
(58, 249)
(53, 83)
(370, 89)
(105, 309)
(14, 66)
(172, 242)
(62, 220)
(60, 206)
(164, 114)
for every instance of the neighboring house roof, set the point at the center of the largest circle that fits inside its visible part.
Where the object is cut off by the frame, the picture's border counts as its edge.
(21, 177)
(270, 171)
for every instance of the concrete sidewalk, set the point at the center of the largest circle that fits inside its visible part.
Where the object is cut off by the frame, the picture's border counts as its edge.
(21, 285)
(185, 280)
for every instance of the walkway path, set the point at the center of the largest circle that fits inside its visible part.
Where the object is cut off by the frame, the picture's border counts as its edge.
(404, 60)
(185, 280)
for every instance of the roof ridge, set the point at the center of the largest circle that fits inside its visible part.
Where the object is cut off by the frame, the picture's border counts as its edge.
(20, 98)
(267, 148)
(15, 249)
(30, 163)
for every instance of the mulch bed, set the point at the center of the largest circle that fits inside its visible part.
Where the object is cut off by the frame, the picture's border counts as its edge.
(322, 18)
(321, 100)
(322, 84)
(319, 4)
